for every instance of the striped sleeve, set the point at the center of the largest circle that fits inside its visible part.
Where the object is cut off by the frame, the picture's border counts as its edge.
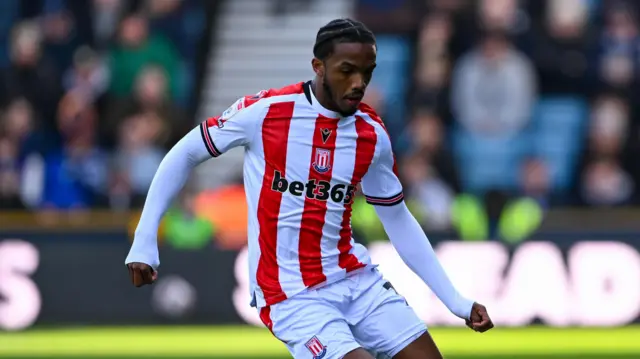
(381, 185)
(206, 137)
(385, 201)
(235, 127)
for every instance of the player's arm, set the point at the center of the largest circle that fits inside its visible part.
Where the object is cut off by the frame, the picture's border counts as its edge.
(210, 139)
(382, 189)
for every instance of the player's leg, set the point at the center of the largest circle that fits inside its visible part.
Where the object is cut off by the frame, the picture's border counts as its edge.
(312, 328)
(422, 347)
(383, 322)
(358, 354)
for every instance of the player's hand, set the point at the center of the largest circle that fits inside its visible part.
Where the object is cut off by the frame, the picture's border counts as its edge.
(480, 321)
(141, 274)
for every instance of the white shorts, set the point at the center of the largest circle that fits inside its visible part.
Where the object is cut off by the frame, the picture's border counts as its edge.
(362, 310)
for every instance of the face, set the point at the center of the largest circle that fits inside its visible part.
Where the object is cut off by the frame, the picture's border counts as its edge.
(535, 177)
(621, 24)
(133, 31)
(608, 127)
(346, 74)
(427, 132)
(151, 86)
(18, 119)
(26, 47)
(415, 170)
(493, 48)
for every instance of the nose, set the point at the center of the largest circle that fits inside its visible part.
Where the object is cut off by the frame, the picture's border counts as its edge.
(358, 83)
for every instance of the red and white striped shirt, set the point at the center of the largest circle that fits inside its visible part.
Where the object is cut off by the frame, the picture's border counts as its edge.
(302, 166)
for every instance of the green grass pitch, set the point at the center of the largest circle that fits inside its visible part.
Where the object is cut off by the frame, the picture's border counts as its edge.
(256, 343)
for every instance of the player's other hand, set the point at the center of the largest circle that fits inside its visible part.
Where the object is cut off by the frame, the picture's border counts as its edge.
(480, 321)
(141, 274)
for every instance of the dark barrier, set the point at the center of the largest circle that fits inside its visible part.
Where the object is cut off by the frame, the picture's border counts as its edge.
(85, 282)
(82, 280)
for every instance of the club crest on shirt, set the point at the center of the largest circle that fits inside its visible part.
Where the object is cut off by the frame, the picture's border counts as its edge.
(317, 349)
(322, 162)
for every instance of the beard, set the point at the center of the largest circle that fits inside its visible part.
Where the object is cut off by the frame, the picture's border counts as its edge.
(331, 95)
(329, 91)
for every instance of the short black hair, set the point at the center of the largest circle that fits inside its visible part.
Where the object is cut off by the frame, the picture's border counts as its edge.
(340, 31)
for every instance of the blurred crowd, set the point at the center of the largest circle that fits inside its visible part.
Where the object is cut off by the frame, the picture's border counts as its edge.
(92, 95)
(513, 104)
(498, 109)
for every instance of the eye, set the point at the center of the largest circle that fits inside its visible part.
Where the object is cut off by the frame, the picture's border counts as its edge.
(346, 70)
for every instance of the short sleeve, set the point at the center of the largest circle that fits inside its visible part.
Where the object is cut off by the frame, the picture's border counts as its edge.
(235, 127)
(380, 184)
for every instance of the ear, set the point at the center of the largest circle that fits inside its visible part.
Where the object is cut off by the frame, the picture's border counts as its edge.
(318, 67)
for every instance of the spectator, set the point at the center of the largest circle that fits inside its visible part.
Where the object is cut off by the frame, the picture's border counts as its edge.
(143, 127)
(609, 125)
(150, 97)
(19, 124)
(619, 52)
(428, 139)
(135, 49)
(181, 21)
(429, 191)
(106, 15)
(184, 228)
(605, 183)
(435, 32)
(521, 216)
(137, 157)
(535, 182)
(75, 174)
(433, 64)
(501, 15)
(388, 16)
(88, 75)
(9, 175)
(30, 75)
(515, 218)
(560, 48)
(61, 37)
(463, 16)
(493, 88)
(603, 179)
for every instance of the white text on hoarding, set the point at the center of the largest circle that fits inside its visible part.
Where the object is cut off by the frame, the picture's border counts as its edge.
(597, 285)
(20, 300)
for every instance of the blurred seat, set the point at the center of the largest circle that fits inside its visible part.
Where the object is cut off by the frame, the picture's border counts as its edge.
(488, 162)
(558, 127)
(391, 78)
